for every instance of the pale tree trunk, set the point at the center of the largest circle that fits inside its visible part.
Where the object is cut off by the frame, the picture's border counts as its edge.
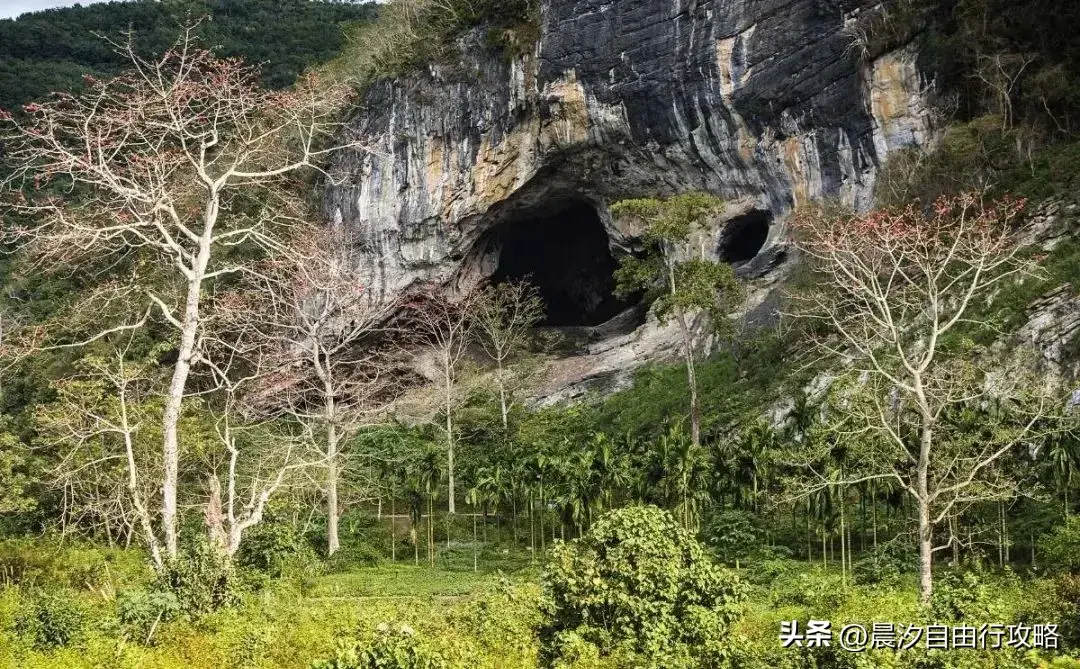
(843, 535)
(691, 372)
(449, 433)
(189, 329)
(926, 530)
(333, 443)
(332, 540)
(171, 421)
(215, 516)
(133, 486)
(502, 397)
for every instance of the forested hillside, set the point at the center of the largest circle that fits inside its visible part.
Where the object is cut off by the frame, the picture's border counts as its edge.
(220, 447)
(52, 50)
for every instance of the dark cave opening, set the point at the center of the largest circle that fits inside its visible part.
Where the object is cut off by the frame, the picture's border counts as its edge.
(562, 250)
(745, 236)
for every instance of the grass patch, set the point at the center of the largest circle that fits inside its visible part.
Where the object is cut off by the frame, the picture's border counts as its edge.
(397, 581)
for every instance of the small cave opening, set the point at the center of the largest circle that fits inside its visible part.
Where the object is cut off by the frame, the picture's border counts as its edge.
(744, 236)
(564, 251)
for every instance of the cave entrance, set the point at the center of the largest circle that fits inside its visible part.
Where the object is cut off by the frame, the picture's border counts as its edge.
(744, 236)
(564, 251)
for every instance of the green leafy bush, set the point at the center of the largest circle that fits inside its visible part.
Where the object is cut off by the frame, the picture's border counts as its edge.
(410, 33)
(278, 549)
(818, 590)
(885, 564)
(767, 564)
(734, 534)
(141, 611)
(1061, 548)
(51, 619)
(201, 579)
(637, 585)
(394, 647)
(972, 594)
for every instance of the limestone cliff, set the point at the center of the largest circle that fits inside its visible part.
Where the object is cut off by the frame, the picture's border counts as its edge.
(759, 101)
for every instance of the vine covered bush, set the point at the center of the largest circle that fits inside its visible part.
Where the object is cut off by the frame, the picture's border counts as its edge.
(394, 647)
(639, 590)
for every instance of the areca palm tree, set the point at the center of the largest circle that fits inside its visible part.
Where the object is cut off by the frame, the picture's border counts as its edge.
(749, 464)
(427, 470)
(610, 469)
(1063, 455)
(686, 475)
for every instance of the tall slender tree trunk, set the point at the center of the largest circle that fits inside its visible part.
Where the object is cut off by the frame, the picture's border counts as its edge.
(873, 501)
(393, 531)
(332, 510)
(862, 512)
(449, 433)
(543, 540)
(688, 352)
(1005, 532)
(691, 379)
(922, 486)
(1001, 536)
(133, 486)
(178, 384)
(843, 549)
(514, 517)
(954, 540)
(171, 419)
(503, 407)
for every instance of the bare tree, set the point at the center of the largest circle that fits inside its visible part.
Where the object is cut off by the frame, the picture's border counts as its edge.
(444, 327)
(505, 315)
(892, 286)
(324, 335)
(96, 424)
(1000, 73)
(260, 460)
(173, 164)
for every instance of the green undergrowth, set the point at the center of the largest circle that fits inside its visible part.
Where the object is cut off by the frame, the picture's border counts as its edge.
(735, 385)
(409, 34)
(494, 620)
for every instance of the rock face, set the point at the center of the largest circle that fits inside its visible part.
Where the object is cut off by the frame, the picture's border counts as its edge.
(762, 102)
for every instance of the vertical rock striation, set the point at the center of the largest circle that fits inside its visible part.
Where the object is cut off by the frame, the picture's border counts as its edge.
(762, 102)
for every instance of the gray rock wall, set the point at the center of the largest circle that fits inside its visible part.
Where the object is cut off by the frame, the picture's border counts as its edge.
(759, 101)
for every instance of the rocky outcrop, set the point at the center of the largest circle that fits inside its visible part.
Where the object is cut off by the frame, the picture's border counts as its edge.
(759, 101)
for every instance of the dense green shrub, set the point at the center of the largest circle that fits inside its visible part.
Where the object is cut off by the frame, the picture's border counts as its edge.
(141, 611)
(637, 585)
(394, 647)
(51, 619)
(887, 563)
(734, 534)
(767, 564)
(817, 590)
(1061, 548)
(970, 595)
(200, 578)
(278, 549)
